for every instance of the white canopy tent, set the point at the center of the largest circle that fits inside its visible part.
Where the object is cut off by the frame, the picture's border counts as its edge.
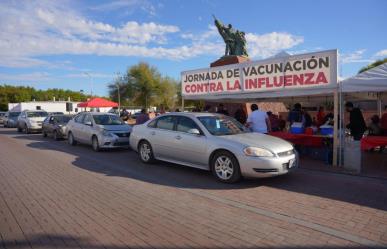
(371, 84)
(373, 80)
(300, 93)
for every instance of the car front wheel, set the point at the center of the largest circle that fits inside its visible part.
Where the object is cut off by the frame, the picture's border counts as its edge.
(95, 144)
(225, 167)
(146, 152)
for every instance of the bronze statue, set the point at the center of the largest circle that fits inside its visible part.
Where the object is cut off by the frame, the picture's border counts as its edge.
(235, 40)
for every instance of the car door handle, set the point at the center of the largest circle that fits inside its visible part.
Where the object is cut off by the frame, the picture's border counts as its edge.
(153, 133)
(178, 137)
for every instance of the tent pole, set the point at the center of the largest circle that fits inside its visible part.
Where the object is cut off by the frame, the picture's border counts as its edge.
(341, 125)
(335, 130)
(379, 103)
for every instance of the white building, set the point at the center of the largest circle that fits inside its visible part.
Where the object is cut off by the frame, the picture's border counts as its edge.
(48, 106)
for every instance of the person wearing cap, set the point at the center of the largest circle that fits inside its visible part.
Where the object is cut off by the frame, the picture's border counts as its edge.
(356, 125)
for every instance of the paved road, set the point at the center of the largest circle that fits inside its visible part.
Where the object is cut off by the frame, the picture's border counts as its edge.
(53, 195)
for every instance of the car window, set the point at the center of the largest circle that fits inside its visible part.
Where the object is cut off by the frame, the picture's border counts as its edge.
(222, 125)
(87, 119)
(152, 124)
(14, 114)
(184, 124)
(62, 119)
(37, 114)
(166, 122)
(79, 118)
(108, 120)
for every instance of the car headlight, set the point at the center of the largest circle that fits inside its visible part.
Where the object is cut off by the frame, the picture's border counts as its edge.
(107, 133)
(258, 152)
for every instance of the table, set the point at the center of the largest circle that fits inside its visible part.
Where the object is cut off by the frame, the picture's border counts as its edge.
(371, 142)
(302, 139)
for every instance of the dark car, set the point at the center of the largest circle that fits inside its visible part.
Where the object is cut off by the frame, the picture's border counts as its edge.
(10, 119)
(55, 125)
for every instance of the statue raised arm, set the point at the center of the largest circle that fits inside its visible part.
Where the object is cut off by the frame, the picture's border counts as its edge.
(234, 39)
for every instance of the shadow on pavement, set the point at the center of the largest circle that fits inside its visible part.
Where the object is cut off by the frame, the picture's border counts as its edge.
(124, 163)
(64, 241)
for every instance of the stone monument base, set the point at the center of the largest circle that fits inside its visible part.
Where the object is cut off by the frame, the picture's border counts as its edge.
(228, 60)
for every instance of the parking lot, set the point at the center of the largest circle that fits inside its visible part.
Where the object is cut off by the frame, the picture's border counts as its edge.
(53, 195)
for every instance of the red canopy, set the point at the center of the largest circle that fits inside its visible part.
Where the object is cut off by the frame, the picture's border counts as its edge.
(98, 102)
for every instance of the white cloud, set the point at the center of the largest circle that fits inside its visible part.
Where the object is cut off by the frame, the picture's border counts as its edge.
(354, 57)
(93, 75)
(381, 53)
(29, 29)
(27, 77)
(266, 45)
(128, 6)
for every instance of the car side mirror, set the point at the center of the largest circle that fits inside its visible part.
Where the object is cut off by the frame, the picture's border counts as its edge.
(89, 123)
(194, 131)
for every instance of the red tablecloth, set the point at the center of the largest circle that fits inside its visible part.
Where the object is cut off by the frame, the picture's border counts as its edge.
(372, 142)
(300, 139)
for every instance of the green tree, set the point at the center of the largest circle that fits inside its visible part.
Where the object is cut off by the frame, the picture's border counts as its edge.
(372, 65)
(143, 85)
(16, 94)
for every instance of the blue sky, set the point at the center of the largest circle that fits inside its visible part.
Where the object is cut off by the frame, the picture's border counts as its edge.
(82, 44)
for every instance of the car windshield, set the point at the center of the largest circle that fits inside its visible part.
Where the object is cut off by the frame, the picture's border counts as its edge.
(222, 125)
(36, 114)
(107, 120)
(14, 114)
(63, 119)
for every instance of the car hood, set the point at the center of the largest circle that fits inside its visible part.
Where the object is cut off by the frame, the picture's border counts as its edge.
(271, 143)
(123, 128)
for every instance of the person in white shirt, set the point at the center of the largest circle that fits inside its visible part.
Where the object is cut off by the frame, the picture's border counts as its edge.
(258, 121)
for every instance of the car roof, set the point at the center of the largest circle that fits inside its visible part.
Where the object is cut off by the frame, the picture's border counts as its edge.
(194, 114)
(34, 111)
(99, 113)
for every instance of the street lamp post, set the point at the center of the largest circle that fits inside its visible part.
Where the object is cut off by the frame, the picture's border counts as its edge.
(119, 98)
(91, 83)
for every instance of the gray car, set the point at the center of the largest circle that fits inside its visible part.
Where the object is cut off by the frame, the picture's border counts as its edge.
(10, 119)
(55, 125)
(101, 130)
(213, 142)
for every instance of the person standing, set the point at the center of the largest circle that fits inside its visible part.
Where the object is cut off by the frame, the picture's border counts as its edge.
(240, 115)
(274, 121)
(142, 118)
(258, 120)
(356, 124)
(383, 124)
(222, 110)
(320, 116)
(296, 114)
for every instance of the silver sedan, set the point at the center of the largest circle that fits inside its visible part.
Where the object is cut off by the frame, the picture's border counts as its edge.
(101, 130)
(213, 142)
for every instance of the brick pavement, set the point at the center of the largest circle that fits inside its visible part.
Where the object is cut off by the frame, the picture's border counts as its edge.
(56, 196)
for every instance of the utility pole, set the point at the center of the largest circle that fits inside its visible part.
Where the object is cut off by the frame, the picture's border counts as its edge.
(119, 98)
(118, 92)
(91, 83)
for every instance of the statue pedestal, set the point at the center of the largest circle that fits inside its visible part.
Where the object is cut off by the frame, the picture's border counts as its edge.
(228, 60)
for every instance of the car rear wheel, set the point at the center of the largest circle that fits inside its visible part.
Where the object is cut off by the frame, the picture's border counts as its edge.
(95, 144)
(44, 133)
(19, 129)
(55, 135)
(225, 167)
(71, 139)
(146, 152)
